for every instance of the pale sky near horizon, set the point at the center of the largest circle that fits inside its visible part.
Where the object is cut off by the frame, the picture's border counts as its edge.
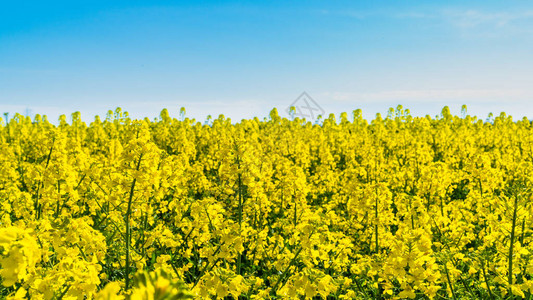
(242, 58)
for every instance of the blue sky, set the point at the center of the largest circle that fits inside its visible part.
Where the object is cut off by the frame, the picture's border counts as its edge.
(242, 59)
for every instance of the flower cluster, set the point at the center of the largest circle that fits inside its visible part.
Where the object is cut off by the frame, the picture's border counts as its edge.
(399, 207)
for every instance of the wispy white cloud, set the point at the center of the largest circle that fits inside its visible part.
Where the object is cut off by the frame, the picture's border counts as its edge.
(414, 15)
(467, 21)
(475, 18)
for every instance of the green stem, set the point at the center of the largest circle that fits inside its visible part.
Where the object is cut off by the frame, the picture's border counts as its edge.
(239, 258)
(38, 206)
(485, 278)
(510, 275)
(449, 281)
(207, 265)
(128, 227)
(60, 296)
(523, 232)
(275, 288)
(377, 221)
(295, 209)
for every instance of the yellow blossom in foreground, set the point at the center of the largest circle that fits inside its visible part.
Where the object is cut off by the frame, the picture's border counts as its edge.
(398, 207)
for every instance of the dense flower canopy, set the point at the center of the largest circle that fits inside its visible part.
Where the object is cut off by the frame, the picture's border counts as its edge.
(401, 207)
